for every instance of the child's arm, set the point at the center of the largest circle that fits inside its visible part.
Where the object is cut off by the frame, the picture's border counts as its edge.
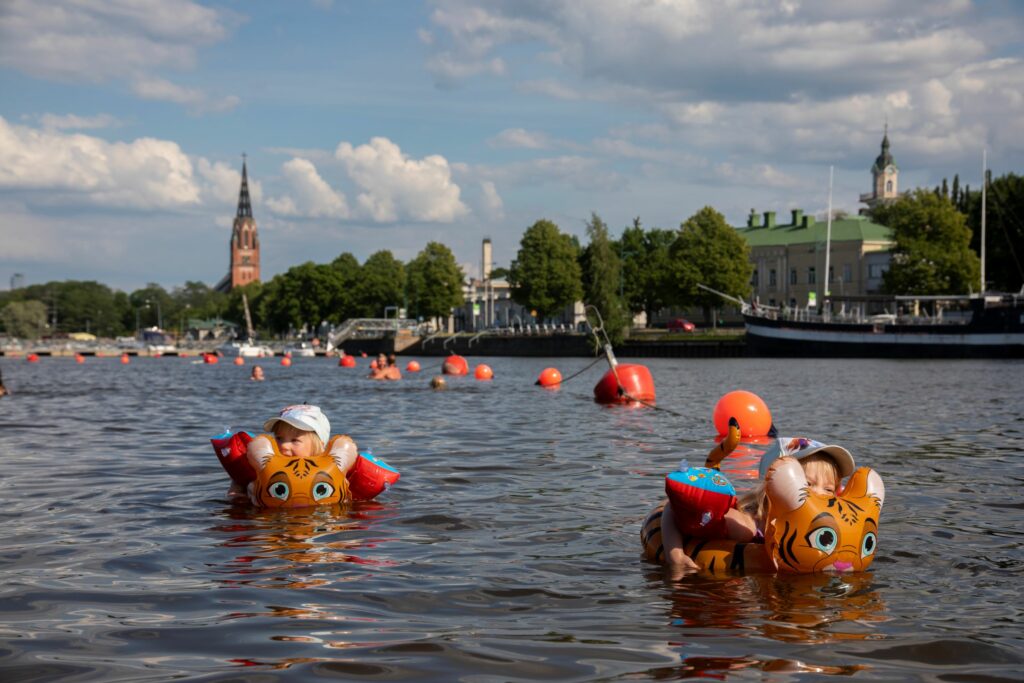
(672, 542)
(740, 526)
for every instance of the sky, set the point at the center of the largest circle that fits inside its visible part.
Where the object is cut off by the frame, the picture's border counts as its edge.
(372, 125)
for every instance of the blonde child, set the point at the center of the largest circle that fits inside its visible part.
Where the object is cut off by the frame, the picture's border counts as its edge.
(301, 431)
(824, 466)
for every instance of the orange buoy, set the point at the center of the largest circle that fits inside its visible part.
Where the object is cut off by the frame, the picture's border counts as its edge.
(79, 358)
(210, 358)
(239, 360)
(549, 377)
(286, 361)
(363, 354)
(455, 365)
(124, 359)
(627, 382)
(32, 358)
(347, 361)
(749, 410)
(483, 372)
(413, 366)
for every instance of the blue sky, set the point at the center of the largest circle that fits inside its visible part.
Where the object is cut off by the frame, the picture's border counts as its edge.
(385, 125)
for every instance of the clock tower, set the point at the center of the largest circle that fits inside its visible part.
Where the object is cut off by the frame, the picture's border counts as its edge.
(245, 243)
(884, 176)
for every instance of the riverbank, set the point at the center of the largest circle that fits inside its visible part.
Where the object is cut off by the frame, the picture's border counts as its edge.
(727, 344)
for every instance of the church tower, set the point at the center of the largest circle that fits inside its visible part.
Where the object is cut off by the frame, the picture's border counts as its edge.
(884, 177)
(245, 243)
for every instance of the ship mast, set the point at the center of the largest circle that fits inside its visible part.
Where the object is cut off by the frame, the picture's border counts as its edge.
(984, 184)
(828, 233)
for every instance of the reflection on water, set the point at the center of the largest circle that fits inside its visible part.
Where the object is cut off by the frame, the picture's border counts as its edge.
(508, 550)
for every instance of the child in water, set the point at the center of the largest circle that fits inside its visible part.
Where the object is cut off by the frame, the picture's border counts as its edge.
(824, 466)
(300, 431)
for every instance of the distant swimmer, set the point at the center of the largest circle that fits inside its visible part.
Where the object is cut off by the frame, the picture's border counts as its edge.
(392, 370)
(257, 374)
(3, 389)
(438, 383)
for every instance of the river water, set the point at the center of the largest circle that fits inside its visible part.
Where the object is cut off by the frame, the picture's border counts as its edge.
(510, 548)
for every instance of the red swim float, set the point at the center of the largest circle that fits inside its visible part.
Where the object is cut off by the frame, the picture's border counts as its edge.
(624, 383)
(455, 365)
(483, 372)
(549, 377)
(413, 366)
(347, 361)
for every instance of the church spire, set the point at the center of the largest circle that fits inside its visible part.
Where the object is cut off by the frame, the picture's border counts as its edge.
(244, 205)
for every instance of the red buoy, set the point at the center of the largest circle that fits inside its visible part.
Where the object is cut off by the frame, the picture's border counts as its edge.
(32, 358)
(210, 358)
(286, 361)
(347, 361)
(749, 410)
(635, 382)
(124, 359)
(239, 360)
(455, 365)
(413, 366)
(549, 377)
(483, 372)
(79, 358)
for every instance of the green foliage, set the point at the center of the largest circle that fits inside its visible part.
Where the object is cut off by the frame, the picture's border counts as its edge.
(148, 307)
(302, 297)
(601, 275)
(932, 253)
(646, 268)
(351, 275)
(434, 282)
(78, 306)
(381, 283)
(234, 307)
(708, 251)
(24, 319)
(545, 275)
(1004, 231)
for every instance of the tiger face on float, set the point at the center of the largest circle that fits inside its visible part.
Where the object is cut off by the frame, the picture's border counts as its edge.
(284, 481)
(806, 532)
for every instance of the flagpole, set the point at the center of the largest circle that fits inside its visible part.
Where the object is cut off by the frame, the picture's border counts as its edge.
(984, 184)
(828, 233)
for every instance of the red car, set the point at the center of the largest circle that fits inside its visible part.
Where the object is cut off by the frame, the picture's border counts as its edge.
(681, 325)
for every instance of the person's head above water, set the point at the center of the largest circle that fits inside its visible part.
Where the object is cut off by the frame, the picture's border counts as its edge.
(301, 430)
(257, 373)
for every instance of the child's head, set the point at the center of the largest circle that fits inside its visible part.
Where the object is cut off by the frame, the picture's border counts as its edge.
(824, 466)
(301, 430)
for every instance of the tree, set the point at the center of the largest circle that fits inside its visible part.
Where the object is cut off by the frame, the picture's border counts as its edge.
(351, 275)
(148, 306)
(25, 319)
(646, 268)
(601, 271)
(434, 282)
(303, 297)
(545, 275)
(381, 284)
(708, 251)
(932, 253)
(1004, 231)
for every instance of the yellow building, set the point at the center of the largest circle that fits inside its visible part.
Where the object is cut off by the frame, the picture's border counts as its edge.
(789, 259)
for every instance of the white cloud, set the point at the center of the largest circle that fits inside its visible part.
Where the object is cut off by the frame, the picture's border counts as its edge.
(493, 205)
(311, 196)
(221, 186)
(395, 186)
(143, 173)
(519, 137)
(75, 122)
(103, 40)
(196, 100)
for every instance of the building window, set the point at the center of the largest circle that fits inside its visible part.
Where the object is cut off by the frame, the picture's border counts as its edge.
(847, 273)
(792, 303)
(792, 276)
(812, 277)
(753, 279)
(831, 274)
(888, 186)
(772, 280)
(875, 270)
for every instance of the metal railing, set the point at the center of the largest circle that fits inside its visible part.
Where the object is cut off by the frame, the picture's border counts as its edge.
(368, 328)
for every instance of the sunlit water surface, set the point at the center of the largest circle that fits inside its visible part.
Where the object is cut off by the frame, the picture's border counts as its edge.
(510, 548)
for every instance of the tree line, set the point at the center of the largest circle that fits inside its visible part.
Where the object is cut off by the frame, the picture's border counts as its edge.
(936, 235)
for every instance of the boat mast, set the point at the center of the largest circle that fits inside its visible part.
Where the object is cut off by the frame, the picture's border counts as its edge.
(828, 233)
(984, 183)
(248, 318)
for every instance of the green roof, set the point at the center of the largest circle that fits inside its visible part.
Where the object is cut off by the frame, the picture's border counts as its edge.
(849, 229)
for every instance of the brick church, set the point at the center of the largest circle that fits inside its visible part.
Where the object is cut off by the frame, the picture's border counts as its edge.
(244, 266)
